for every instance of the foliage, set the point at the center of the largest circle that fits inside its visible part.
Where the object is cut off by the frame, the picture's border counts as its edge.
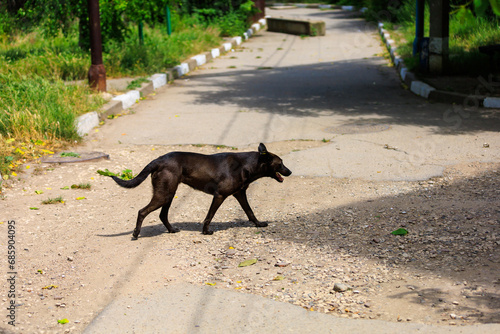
(230, 22)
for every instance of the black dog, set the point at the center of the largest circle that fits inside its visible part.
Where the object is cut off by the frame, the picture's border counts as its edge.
(220, 175)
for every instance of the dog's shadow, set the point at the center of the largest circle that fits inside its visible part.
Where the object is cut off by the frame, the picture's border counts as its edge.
(149, 231)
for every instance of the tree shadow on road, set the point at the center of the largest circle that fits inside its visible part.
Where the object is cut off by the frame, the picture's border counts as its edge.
(355, 88)
(453, 232)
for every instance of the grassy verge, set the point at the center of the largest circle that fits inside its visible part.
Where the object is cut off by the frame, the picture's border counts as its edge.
(37, 116)
(38, 108)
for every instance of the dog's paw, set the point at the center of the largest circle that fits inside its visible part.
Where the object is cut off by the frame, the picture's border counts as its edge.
(174, 230)
(208, 232)
(261, 224)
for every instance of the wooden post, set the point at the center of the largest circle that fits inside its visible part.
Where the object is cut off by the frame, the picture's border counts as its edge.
(97, 72)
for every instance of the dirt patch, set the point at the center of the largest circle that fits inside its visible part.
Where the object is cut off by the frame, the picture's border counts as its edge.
(74, 257)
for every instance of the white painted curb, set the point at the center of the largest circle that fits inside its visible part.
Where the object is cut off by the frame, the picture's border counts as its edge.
(227, 46)
(237, 40)
(182, 69)
(86, 122)
(347, 7)
(325, 6)
(256, 27)
(200, 59)
(158, 80)
(215, 53)
(421, 88)
(403, 72)
(491, 102)
(128, 99)
(262, 22)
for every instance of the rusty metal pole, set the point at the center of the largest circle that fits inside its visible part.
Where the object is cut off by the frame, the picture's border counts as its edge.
(97, 72)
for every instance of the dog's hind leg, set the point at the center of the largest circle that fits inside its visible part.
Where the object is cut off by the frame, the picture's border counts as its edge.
(164, 217)
(152, 206)
(216, 203)
(241, 196)
(163, 193)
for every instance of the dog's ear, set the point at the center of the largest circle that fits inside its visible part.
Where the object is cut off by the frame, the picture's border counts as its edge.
(262, 149)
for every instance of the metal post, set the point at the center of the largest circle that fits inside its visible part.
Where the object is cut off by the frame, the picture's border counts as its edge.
(419, 26)
(141, 33)
(97, 72)
(169, 22)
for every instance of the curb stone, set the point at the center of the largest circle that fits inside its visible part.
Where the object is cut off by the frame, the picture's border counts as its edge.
(417, 87)
(425, 90)
(86, 122)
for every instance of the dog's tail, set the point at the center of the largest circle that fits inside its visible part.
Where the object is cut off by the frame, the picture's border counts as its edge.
(151, 167)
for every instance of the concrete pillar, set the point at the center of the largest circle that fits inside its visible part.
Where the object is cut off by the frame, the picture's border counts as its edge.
(439, 34)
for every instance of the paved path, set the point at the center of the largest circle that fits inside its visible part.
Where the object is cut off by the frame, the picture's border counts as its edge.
(282, 87)
(183, 308)
(337, 87)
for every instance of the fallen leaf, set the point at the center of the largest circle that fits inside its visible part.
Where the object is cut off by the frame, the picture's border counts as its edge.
(400, 231)
(208, 283)
(33, 208)
(247, 263)
(79, 198)
(50, 287)
(38, 192)
(63, 321)
(278, 278)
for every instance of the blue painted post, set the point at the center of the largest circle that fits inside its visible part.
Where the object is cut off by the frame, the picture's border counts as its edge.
(419, 26)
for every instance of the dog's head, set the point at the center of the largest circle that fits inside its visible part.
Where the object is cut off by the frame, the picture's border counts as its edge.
(273, 165)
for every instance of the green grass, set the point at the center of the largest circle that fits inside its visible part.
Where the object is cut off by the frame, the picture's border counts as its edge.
(134, 84)
(158, 52)
(38, 107)
(56, 200)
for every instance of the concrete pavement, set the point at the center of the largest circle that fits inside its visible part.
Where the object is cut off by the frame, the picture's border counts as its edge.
(183, 308)
(338, 88)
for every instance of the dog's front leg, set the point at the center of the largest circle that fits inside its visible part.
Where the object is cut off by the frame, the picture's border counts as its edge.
(216, 203)
(241, 196)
